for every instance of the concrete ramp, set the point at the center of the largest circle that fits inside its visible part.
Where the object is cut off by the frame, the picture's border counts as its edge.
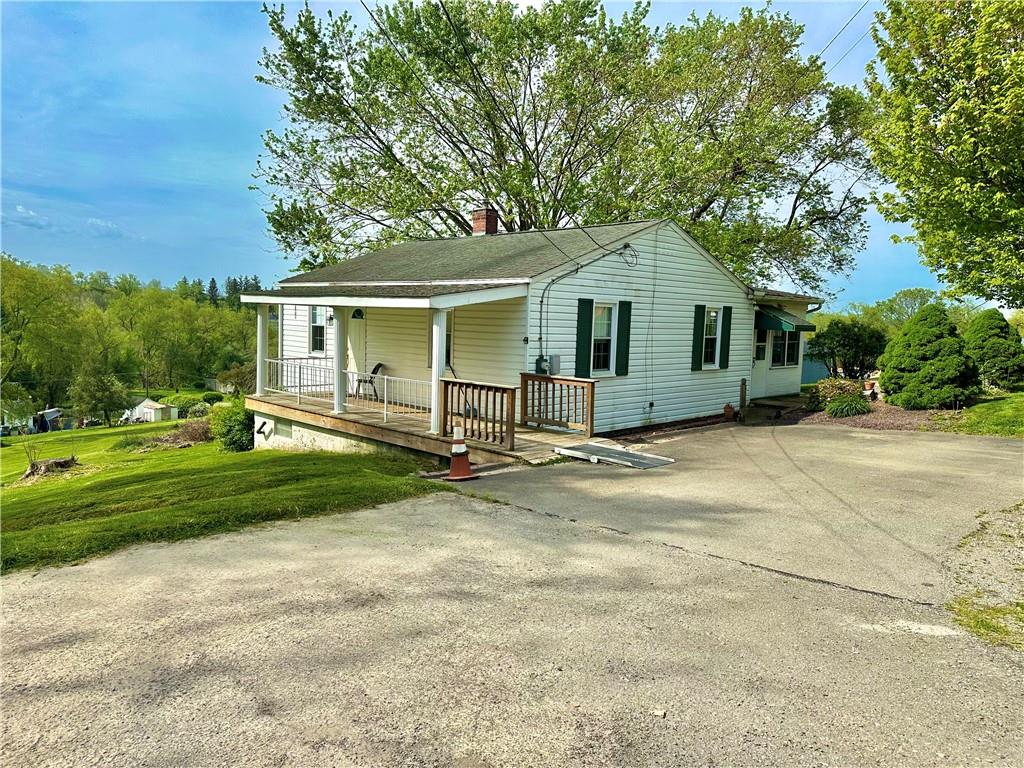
(604, 454)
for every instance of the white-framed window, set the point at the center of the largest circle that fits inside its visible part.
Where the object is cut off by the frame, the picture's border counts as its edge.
(785, 348)
(602, 355)
(317, 330)
(712, 326)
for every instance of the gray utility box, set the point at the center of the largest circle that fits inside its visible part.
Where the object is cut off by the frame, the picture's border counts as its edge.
(549, 366)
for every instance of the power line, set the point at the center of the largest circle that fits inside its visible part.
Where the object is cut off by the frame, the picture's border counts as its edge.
(848, 51)
(837, 34)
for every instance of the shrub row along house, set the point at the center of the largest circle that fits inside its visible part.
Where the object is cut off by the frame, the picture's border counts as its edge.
(587, 330)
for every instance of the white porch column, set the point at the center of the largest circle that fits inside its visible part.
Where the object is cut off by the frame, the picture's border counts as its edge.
(262, 333)
(438, 325)
(340, 355)
(280, 330)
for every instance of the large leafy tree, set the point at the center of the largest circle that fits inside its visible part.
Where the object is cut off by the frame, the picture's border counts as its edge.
(559, 115)
(848, 347)
(949, 80)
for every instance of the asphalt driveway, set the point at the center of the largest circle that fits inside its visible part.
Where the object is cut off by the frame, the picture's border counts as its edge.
(452, 631)
(869, 509)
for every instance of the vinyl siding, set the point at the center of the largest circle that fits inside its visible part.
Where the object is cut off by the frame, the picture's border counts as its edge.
(669, 278)
(486, 340)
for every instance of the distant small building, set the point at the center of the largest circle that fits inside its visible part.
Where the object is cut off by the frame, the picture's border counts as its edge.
(150, 410)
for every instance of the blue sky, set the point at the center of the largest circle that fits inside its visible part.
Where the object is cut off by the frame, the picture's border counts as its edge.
(130, 132)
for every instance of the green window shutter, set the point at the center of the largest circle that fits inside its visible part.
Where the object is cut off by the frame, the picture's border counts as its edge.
(622, 338)
(584, 336)
(697, 361)
(723, 335)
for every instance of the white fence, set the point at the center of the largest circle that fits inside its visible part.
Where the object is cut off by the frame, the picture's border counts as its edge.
(312, 380)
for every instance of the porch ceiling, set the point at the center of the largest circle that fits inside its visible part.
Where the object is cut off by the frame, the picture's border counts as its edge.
(438, 295)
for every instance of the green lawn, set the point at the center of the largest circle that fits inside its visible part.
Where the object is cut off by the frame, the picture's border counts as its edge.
(1000, 415)
(121, 497)
(156, 394)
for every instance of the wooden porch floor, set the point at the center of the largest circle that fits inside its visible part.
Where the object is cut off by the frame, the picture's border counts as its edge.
(532, 445)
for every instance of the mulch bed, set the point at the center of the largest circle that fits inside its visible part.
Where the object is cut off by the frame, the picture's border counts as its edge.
(882, 416)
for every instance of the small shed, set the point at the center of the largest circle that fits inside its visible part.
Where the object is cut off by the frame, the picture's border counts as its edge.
(151, 410)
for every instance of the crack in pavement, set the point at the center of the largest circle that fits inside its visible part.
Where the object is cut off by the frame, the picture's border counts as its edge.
(724, 558)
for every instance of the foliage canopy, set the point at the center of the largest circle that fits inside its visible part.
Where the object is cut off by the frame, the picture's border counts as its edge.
(949, 81)
(560, 115)
(848, 347)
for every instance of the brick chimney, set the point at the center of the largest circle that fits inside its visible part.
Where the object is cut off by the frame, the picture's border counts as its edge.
(485, 220)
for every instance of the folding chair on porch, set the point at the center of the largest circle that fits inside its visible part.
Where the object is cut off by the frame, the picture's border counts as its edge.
(371, 380)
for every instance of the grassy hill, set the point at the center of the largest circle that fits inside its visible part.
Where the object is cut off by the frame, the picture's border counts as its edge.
(123, 496)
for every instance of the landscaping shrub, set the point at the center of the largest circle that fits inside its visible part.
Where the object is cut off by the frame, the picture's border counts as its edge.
(995, 348)
(925, 365)
(200, 409)
(212, 397)
(826, 390)
(847, 405)
(233, 425)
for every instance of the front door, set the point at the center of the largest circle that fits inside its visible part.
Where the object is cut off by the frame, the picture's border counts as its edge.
(759, 370)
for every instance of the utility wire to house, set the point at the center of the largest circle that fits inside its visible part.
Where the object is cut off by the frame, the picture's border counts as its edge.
(842, 28)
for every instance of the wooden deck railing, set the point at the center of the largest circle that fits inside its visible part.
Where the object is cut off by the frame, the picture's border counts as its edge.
(560, 401)
(487, 412)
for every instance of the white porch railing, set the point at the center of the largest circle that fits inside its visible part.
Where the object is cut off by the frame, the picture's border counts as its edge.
(312, 380)
(391, 395)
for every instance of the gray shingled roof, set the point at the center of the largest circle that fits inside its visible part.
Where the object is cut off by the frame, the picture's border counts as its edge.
(486, 257)
(774, 293)
(379, 290)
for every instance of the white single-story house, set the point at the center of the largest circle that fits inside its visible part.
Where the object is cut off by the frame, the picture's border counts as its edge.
(150, 410)
(578, 330)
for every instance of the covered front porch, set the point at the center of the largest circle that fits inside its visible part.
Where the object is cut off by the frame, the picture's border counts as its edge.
(364, 366)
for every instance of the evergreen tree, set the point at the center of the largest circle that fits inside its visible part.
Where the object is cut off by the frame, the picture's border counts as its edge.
(213, 292)
(232, 293)
(996, 349)
(925, 365)
(198, 292)
(183, 288)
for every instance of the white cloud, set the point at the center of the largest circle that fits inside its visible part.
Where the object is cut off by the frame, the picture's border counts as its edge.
(26, 217)
(104, 228)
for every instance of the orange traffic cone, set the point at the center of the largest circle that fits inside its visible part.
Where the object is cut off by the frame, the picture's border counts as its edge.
(460, 469)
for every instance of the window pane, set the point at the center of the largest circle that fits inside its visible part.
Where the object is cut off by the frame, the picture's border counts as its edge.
(711, 323)
(602, 322)
(317, 339)
(792, 348)
(315, 316)
(778, 349)
(602, 360)
(710, 345)
(762, 336)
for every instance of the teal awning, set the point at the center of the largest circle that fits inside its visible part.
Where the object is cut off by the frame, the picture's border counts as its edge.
(775, 319)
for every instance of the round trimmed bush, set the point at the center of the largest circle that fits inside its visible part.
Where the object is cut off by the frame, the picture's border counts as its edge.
(200, 409)
(995, 347)
(212, 397)
(925, 366)
(847, 405)
(233, 424)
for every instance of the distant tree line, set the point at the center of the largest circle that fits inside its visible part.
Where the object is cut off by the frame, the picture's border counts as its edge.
(85, 340)
(230, 295)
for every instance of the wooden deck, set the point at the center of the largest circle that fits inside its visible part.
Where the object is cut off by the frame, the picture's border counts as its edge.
(410, 430)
